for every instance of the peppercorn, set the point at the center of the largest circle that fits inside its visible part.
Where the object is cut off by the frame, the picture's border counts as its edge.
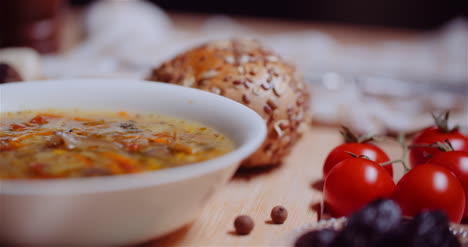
(279, 214)
(243, 224)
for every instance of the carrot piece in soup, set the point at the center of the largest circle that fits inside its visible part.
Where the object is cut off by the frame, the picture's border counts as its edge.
(82, 158)
(125, 163)
(38, 120)
(29, 135)
(82, 119)
(180, 147)
(159, 140)
(124, 115)
(17, 127)
(134, 147)
(40, 171)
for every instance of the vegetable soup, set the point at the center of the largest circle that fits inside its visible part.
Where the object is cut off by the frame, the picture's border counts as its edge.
(76, 143)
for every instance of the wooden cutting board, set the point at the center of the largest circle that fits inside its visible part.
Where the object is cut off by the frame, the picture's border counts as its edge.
(295, 185)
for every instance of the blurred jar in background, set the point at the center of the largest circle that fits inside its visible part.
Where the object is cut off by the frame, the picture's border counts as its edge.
(31, 23)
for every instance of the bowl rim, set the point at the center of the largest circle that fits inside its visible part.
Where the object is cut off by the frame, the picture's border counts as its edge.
(144, 179)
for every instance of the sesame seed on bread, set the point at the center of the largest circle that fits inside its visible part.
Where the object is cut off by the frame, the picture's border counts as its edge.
(247, 72)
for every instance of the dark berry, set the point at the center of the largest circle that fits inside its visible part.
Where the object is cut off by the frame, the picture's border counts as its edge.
(375, 225)
(322, 238)
(379, 224)
(381, 216)
(430, 229)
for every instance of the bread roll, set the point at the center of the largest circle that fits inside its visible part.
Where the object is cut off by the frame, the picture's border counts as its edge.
(245, 71)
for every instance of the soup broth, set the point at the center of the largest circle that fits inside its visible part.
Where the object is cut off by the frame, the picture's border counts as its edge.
(65, 144)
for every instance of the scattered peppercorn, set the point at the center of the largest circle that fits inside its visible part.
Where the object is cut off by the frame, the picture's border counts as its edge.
(279, 214)
(243, 224)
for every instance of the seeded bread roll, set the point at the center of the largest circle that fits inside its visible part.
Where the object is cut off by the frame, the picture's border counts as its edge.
(243, 70)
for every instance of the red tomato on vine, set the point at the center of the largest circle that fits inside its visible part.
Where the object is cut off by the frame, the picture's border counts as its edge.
(456, 162)
(353, 183)
(421, 150)
(358, 146)
(430, 187)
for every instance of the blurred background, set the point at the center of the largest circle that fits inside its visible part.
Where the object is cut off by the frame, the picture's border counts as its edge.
(415, 14)
(378, 66)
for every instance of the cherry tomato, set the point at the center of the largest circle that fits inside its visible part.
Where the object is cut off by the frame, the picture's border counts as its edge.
(457, 162)
(371, 151)
(353, 183)
(430, 187)
(431, 135)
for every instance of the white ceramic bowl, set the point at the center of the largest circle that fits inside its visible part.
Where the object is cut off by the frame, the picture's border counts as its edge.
(126, 209)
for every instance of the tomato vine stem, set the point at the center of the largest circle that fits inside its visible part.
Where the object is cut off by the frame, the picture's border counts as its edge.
(441, 121)
(357, 156)
(404, 146)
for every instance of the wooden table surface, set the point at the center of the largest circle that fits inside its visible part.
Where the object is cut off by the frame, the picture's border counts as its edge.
(292, 185)
(295, 185)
